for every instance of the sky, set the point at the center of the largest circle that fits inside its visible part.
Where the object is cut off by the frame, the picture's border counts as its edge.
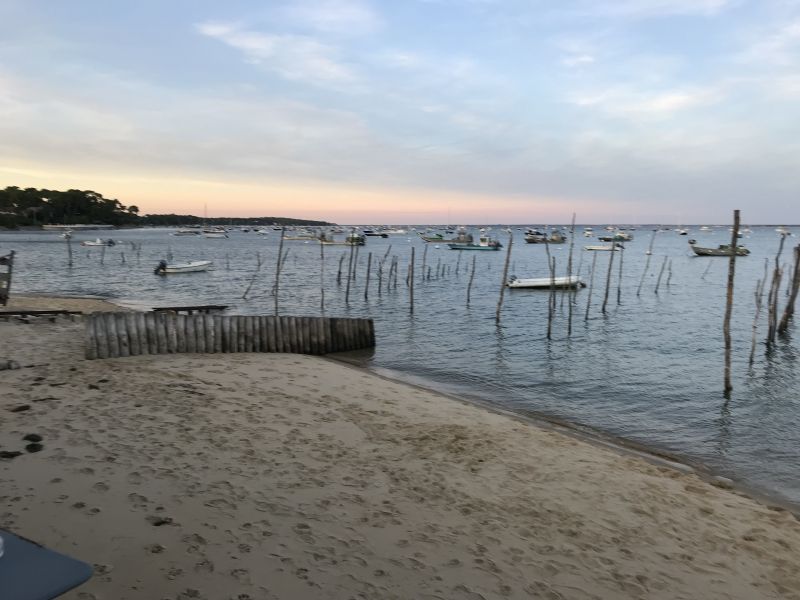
(409, 111)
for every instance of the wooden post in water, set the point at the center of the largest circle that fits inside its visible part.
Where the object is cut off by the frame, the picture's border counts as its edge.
(102, 254)
(504, 279)
(669, 272)
(660, 273)
(411, 282)
(339, 272)
(471, 278)
(570, 289)
(458, 262)
(772, 298)
(366, 282)
(278, 268)
(424, 261)
(349, 276)
(69, 249)
(255, 274)
(321, 278)
(591, 286)
(794, 289)
(759, 298)
(551, 307)
(726, 325)
(647, 262)
(608, 275)
(619, 277)
(355, 261)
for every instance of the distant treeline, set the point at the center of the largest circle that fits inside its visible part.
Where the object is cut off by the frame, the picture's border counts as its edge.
(31, 207)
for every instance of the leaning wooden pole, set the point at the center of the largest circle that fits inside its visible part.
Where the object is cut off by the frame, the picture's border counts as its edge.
(647, 262)
(619, 277)
(411, 282)
(788, 312)
(504, 279)
(774, 292)
(366, 281)
(69, 249)
(349, 276)
(321, 277)
(726, 325)
(591, 286)
(551, 308)
(471, 279)
(571, 289)
(759, 298)
(278, 268)
(660, 274)
(608, 276)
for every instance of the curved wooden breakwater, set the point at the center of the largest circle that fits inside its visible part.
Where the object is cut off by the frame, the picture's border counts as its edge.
(119, 334)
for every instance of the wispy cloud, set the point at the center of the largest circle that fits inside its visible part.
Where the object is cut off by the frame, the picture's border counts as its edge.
(350, 17)
(642, 9)
(779, 47)
(294, 57)
(634, 103)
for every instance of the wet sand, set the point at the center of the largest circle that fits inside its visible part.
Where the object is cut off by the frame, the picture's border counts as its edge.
(288, 476)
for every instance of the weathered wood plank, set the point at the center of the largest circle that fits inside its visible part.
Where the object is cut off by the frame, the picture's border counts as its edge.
(122, 334)
(271, 339)
(170, 322)
(161, 333)
(180, 332)
(134, 346)
(113, 338)
(249, 332)
(217, 334)
(200, 329)
(91, 339)
(191, 334)
(141, 332)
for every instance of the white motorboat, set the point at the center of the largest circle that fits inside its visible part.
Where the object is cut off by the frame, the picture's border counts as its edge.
(99, 242)
(607, 248)
(546, 283)
(215, 233)
(196, 266)
(187, 231)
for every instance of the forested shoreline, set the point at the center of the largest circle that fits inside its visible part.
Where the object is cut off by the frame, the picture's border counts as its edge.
(31, 207)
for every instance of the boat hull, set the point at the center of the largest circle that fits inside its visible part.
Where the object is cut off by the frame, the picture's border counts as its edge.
(740, 251)
(546, 283)
(192, 267)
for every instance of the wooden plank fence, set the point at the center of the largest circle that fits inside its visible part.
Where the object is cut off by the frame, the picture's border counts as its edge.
(113, 335)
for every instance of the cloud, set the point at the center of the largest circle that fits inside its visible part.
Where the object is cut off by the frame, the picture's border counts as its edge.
(578, 60)
(293, 57)
(642, 9)
(625, 102)
(778, 48)
(349, 17)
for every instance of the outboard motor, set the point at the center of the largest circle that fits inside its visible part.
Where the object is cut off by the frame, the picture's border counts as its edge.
(110, 242)
(161, 269)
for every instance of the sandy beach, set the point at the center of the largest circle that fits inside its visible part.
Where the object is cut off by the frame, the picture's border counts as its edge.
(267, 476)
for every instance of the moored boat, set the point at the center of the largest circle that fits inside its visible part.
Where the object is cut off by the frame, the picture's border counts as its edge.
(99, 242)
(196, 266)
(546, 283)
(721, 250)
(484, 243)
(607, 248)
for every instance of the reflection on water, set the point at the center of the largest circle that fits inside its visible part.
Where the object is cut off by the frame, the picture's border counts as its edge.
(650, 370)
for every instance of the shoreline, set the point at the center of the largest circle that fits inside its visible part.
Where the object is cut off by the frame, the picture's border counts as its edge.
(357, 360)
(284, 476)
(657, 456)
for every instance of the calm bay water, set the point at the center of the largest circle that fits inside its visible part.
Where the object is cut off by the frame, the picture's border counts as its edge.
(649, 371)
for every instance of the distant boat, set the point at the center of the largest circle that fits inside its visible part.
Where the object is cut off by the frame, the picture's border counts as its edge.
(783, 230)
(721, 250)
(99, 242)
(355, 239)
(533, 236)
(187, 231)
(196, 266)
(373, 233)
(484, 243)
(215, 233)
(705, 228)
(682, 231)
(546, 283)
(619, 236)
(602, 248)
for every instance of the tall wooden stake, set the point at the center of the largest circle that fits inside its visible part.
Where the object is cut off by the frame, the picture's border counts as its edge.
(551, 306)
(504, 279)
(339, 272)
(471, 278)
(759, 297)
(726, 325)
(608, 275)
(321, 278)
(572, 289)
(647, 262)
(795, 288)
(591, 286)
(366, 282)
(411, 282)
(660, 273)
(349, 276)
(619, 277)
(772, 298)
(278, 268)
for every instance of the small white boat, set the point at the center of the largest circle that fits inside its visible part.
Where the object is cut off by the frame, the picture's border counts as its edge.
(99, 242)
(546, 283)
(601, 248)
(196, 266)
(215, 233)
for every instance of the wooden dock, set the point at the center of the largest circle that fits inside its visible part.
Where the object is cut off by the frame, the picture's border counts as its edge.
(120, 334)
